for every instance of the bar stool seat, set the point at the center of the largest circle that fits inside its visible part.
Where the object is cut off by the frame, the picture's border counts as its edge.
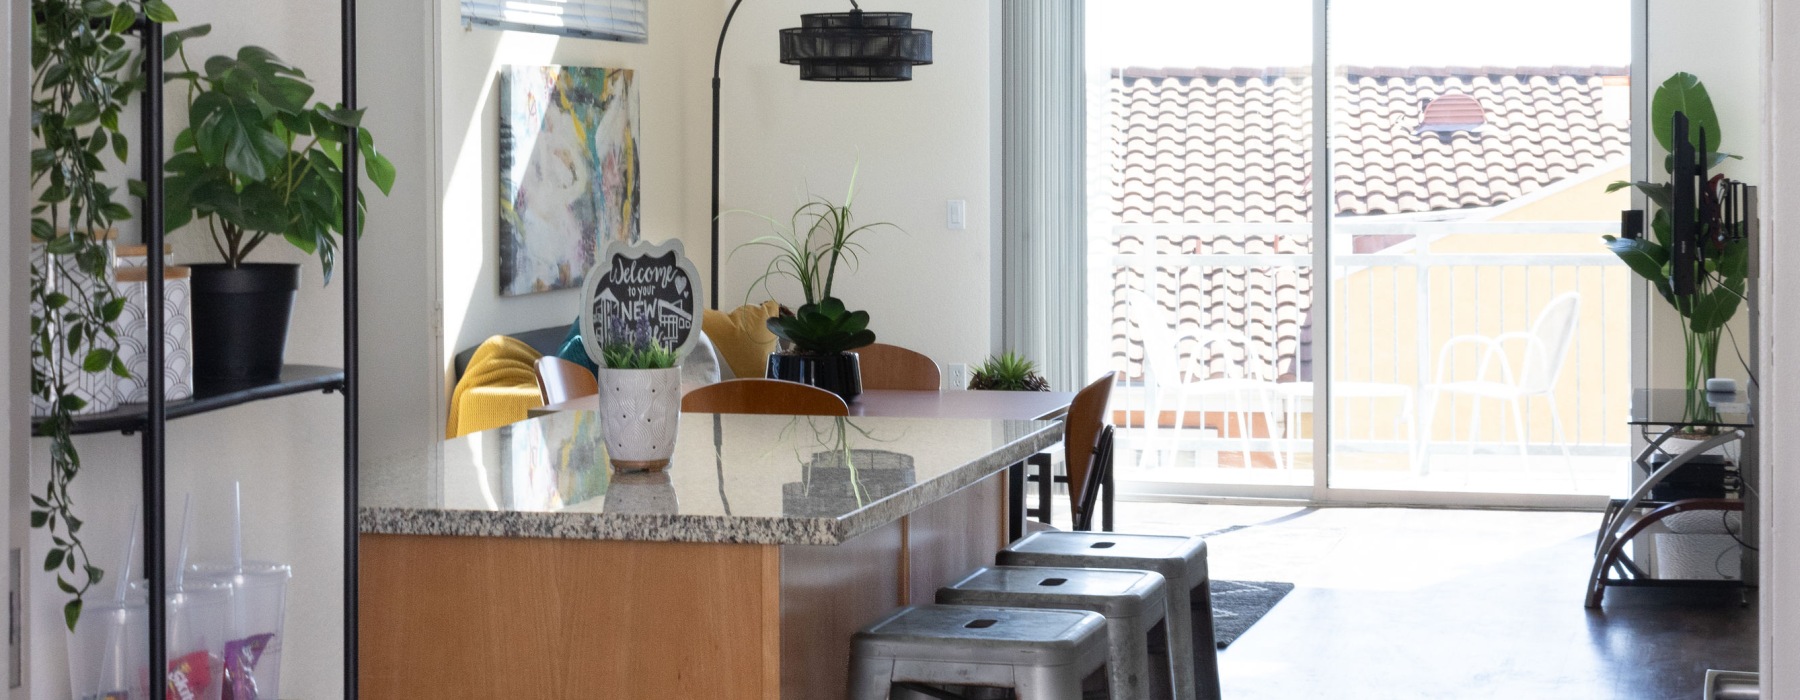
(1132, 601)
(1039, 654)
(1193, 656)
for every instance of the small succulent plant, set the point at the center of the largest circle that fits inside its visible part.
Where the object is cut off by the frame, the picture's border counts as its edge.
(1008, 372)
(825, 328)
(632, 344)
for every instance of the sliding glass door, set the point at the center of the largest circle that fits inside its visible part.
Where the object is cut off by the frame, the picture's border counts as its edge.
(1450, 321)
(1202, 255)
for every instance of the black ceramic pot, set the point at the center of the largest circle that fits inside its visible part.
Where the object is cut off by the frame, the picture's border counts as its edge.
(241, 321)
(839, 374)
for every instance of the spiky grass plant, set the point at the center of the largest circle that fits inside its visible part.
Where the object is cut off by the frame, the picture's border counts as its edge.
(1008, 372)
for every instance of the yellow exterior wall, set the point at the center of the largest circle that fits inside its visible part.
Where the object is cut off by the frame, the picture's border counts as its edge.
(1379, 314)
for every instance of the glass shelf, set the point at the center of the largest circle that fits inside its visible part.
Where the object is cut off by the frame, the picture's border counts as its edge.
(130, 418)
(1668, 407)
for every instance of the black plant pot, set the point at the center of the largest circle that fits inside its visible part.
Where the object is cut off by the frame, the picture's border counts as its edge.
(839, 374)
(241, 321)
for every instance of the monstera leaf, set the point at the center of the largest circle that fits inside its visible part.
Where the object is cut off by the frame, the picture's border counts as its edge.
(825, 328)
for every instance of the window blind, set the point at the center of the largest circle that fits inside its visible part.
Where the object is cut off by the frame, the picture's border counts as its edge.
(1044, 181)
(613, 20)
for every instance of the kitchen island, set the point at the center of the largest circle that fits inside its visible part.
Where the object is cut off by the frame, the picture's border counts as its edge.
(523, 567)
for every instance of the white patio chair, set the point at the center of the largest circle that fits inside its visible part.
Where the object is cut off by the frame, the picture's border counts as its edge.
(1546, 345)
(1167, 375)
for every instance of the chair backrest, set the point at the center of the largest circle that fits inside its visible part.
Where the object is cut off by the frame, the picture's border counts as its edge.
(1081, 437)
(894, 367)
(1555, 332)
(766, 396)
(560, 380)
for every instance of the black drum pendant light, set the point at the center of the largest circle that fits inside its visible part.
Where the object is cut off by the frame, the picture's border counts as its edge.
(846, 47)
(856, 46)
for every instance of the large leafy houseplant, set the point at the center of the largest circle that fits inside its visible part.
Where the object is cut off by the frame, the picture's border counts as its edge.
(1720, 275)
(83, 73)
(256, 160)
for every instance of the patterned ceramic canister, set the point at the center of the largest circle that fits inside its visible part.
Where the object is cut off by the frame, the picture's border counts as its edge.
(640, 410)
(178, 335)
(99, 389)
(137, 256)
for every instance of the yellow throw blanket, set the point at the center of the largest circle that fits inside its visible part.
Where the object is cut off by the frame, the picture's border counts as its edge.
(498, 388)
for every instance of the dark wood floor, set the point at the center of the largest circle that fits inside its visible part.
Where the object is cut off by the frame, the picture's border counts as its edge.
(1399, 603)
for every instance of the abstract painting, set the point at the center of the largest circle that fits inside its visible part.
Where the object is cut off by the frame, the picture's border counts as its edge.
(568, 172)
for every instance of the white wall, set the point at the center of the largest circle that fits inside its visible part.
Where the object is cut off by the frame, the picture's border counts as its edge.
(920, 144)
(1781, 332)
(470, 124)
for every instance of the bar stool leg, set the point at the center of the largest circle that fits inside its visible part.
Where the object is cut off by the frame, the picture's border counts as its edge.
(871, 679)
(1181, 642)
(1128, 662)
(1205, 642)
(1062, 683)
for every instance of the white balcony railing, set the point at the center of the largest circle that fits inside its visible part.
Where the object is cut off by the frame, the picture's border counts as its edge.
(1394, 307)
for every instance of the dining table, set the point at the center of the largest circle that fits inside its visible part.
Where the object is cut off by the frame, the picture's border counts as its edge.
(519, 564)
(956, 403)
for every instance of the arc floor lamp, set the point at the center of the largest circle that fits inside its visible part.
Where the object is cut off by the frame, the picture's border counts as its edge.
(854, 46)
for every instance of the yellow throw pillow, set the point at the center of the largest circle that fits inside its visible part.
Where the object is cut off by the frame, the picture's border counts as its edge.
(742, 337)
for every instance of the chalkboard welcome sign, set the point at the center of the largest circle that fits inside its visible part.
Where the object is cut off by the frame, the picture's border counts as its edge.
(653, 287)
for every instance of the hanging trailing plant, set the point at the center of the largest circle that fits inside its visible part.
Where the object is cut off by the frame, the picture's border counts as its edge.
(84, 72)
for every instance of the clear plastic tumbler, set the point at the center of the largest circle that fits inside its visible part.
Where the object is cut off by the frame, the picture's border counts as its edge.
(258, 607)
(109, 652)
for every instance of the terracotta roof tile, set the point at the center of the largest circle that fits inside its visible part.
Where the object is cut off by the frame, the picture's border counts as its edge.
(1234, 145)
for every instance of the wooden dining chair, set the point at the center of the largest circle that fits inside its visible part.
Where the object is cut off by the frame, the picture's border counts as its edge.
(765, 396)
(560, 380)
(1087, 450)
(894, 367)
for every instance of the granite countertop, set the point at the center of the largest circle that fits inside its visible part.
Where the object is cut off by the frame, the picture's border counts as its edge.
(734, 479)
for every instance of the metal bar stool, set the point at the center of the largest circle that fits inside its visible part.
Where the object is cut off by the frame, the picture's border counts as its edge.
(1133, 601)
(1039, 654)
(1193, 656)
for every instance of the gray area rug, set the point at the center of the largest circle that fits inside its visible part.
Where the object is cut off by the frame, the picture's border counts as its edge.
(1239, 604)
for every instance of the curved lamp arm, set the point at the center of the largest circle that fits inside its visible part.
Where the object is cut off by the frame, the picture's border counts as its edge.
(718, 58)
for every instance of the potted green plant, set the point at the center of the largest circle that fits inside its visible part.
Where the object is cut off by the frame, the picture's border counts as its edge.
(1720, 280)
(823, 331)
(256, 162)
(83, 74)
(1007, 371)
(640, 396)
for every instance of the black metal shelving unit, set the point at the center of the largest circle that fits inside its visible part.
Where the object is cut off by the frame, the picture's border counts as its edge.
(153, 416)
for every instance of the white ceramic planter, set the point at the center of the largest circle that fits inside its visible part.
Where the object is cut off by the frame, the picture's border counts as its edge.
(134, 335)
(640, 410)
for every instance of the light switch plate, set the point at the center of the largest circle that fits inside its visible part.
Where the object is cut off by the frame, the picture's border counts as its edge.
(957, 218)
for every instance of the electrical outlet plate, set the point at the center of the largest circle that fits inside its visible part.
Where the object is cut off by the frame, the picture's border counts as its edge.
(957, 376)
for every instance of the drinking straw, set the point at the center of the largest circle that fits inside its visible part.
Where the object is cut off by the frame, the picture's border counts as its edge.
(120, 586)
(187, 526)
(116, 632)
(237, 526)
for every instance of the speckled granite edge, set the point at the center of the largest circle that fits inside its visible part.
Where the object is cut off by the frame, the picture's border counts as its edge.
(601, 526)
(700, 528)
